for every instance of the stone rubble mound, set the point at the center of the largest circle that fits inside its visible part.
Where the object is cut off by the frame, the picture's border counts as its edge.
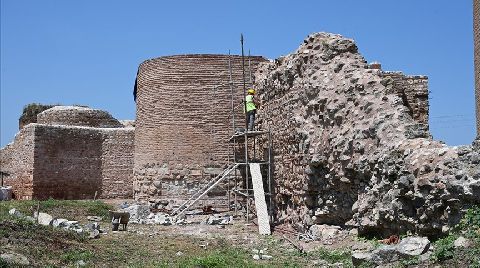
(407, 248)
(148, 214)
(348, 151)
(92, 229)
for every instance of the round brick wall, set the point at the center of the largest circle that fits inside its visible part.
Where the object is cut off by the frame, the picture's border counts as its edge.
(184, 121)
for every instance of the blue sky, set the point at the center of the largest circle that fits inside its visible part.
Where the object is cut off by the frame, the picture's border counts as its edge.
(87, 52)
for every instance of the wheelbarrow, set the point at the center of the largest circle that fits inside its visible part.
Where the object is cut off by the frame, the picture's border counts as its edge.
(119, 218)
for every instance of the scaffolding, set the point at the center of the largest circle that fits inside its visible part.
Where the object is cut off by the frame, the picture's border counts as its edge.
(246, 143)
(249, 141)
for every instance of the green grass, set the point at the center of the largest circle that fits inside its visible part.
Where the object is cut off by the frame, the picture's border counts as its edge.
(227, 257)
(469, 227)
(57, 208)
(334, 256)
(75, 255)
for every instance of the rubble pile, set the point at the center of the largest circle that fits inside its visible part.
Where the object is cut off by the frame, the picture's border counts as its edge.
(150, 214)
(92, 229)
(348, 150)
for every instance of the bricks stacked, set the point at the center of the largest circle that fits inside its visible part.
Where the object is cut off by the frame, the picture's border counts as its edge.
(184, 122)
(413, 89)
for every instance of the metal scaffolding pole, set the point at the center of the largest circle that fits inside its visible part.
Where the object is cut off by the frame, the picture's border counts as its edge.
(234, 145)
(246, 128)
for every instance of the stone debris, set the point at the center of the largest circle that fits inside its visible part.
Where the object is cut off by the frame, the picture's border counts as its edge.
(324, 232)
(261, 254)
(59, 223)
(407, 248)
(94, 218)
(159, 218)
(43, 218)
(462, 242)
(138, 213)
(92, 229)
(14, 259)
(80, 263)
(219, 219)
(15, 212)
(5, 193)
(18, 214)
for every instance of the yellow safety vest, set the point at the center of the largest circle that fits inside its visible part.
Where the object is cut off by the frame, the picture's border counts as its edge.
(250, 104)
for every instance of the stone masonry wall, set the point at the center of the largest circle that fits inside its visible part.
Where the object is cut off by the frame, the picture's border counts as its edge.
(117, 163)
(16, 159)
(476, 33)
(67, 162)
(183, 123)
(71, 162)
(350, 150)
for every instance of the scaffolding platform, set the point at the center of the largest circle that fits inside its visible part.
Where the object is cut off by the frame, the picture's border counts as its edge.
(240, 136)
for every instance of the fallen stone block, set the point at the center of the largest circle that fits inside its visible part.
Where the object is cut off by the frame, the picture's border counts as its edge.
(413, 246)
(14, 259)
(59, 222)
(462, 242)
(44, 218)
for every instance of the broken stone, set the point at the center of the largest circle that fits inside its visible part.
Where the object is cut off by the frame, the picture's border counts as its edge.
(266, 257)
(15, 212)
(94, 218)
(462, 242)
(138, 212)
(15, 259)
(413, 246)
(217, 219)
(358, 258)
(408, 247)
(93, 234)
(80, 263)
(44, 219)
(59, 222)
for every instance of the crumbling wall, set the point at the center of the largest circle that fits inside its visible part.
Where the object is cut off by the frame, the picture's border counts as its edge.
(77, 116)
(413, 90)
(16, 159)
(51, 160)
(350, 146)
(183, 123)
(30, 112)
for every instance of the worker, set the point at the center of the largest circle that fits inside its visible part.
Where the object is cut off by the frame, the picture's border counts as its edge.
(251, 108)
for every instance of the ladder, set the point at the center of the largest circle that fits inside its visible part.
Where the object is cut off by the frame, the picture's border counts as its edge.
(200, 193)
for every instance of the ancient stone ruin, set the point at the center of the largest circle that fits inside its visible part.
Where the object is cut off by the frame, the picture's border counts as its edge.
(351, 142)
(352, 145)
(70, 153)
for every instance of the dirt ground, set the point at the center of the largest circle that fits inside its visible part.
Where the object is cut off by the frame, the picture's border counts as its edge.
(191, 245)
